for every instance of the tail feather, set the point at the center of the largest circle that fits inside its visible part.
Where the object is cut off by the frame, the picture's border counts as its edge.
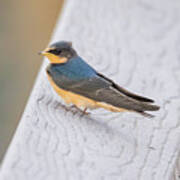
(149, 107)
(145, 114)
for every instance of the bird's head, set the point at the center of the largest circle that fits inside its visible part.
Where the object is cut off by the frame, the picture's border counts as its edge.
(59, 52)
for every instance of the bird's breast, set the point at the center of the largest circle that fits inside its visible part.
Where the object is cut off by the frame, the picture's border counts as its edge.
(72, 98)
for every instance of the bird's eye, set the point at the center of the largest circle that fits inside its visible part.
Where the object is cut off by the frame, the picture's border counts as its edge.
(55, 51)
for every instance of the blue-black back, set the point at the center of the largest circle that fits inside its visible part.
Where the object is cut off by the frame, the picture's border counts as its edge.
(75, 69)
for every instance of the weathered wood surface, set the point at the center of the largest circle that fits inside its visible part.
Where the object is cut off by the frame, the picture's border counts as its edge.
(135, 42)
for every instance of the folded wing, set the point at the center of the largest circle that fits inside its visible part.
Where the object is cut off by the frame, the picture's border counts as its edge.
(126, 92)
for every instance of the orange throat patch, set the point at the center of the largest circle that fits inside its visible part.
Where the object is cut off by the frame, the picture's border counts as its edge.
(55, 59)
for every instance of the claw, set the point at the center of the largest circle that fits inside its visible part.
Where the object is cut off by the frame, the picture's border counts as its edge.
(84, 112)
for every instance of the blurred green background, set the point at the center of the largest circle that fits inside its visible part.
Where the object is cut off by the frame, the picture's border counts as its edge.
(25, 29)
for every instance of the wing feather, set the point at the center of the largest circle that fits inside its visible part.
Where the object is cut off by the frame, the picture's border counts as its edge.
(126, 92)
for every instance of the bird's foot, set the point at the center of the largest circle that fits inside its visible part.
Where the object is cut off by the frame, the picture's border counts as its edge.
(84, 112)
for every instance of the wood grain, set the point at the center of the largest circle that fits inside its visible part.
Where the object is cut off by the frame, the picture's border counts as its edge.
(136, 43)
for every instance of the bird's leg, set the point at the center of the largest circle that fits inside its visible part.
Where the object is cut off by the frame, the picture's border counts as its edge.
(80, 110)
(84, 111)
(74, 106)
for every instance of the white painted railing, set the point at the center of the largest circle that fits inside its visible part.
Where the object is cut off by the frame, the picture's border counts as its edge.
(136, 43)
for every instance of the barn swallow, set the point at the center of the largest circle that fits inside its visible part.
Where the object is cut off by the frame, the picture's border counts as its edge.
(81, 85)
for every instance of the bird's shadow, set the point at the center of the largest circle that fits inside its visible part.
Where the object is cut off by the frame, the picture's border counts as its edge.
(97, 123)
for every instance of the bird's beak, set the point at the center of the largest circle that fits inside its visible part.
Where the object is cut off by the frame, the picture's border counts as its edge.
(45, 52)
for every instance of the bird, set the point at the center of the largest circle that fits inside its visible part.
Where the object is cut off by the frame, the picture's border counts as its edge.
(81, 85)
